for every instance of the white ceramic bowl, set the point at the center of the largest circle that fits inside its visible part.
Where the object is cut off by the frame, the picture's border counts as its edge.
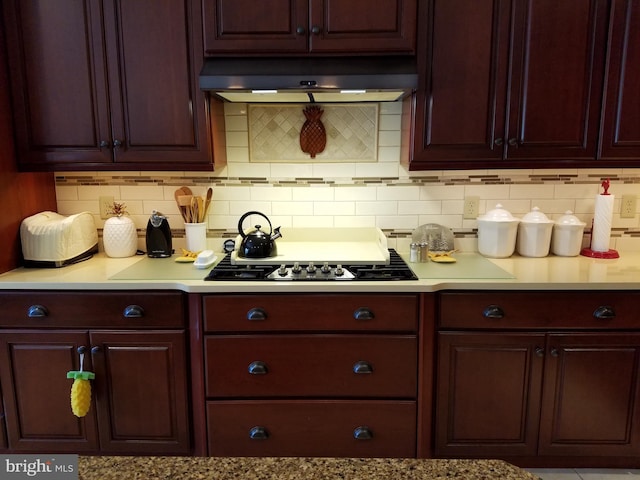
(534, 234)
(497, 231)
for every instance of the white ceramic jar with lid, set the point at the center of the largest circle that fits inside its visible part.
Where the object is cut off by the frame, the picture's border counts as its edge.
(568, 231)
(497, 231)
(534, 234)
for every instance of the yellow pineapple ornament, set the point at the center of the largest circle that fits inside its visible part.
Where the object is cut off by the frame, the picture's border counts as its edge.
(81, 388)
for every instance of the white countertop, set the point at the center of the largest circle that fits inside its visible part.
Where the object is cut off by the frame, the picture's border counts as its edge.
(514, 273)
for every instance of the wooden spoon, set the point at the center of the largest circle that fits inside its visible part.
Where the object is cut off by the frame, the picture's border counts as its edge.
(207, 202)
(182, 191)
(200, 206)
(194, 209)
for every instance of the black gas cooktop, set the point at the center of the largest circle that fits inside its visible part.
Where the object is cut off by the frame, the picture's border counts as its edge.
(397, 269)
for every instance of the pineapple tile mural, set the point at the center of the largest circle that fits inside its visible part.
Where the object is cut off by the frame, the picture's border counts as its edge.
(351, 133)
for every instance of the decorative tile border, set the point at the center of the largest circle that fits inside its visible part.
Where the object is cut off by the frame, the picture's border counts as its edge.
(72, 179)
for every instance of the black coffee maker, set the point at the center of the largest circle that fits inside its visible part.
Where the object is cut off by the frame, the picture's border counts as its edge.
(158, 236)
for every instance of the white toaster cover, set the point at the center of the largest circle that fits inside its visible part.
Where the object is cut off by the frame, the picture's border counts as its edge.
(49, 236)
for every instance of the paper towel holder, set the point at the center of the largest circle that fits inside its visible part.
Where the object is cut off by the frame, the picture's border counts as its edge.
(589, 251)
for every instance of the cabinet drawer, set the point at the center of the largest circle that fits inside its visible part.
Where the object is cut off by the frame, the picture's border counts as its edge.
(312, 428)
(92, 309)
(311, 365)
(226, 313)
(547, 310)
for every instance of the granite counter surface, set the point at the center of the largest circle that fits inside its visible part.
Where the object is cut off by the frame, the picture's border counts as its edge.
(249, 468)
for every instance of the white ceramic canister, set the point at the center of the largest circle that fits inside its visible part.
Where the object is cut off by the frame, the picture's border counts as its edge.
(119, 237)
(534, 234)
(497, 231)
(568, 232)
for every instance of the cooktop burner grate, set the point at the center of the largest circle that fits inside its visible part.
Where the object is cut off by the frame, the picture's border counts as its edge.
(396, 270)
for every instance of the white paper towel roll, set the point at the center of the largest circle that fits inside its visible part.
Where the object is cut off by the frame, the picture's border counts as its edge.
(600, 237)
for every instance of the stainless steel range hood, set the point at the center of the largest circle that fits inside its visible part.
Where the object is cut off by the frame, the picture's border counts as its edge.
(317, 79)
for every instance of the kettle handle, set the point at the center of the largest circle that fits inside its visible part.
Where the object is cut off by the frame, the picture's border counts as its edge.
(253, 212)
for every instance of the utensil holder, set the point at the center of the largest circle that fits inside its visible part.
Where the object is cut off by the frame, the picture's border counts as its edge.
(196, 236)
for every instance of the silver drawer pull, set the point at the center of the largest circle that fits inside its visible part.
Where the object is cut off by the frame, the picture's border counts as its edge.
(256, 314)
(37, 311)
(362, 367)
(362, 433)
(363, 313)
(258, 433)
(258, 368)
(493, 311)
(604, 312)
(133, 311)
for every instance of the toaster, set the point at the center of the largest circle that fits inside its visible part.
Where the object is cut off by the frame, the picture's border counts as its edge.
(53, 240)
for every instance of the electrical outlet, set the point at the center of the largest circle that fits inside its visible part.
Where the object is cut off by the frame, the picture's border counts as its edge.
(470, 209)
(106, 203)
(628, 206)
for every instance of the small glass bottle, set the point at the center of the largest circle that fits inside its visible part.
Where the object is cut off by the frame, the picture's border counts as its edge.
(424, 252)
(414, 253)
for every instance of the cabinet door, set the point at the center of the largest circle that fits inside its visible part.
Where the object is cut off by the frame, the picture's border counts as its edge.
(141, 391)
(556, 85)
(361, 26)
(59, 82)
(107, 85)
(620, 137)
(33, 373)
(247, 26)
(154, 52)
(463, 60)
(488, 394)
(3, 434)
(590, 404)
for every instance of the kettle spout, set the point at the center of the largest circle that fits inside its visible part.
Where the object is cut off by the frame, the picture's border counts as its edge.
(276, 233)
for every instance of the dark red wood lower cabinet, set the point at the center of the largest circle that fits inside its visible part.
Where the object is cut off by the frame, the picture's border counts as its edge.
(325, 428)
(553, 395)
(487, 394)
(591, 402)
(33, 368)
(139, 396)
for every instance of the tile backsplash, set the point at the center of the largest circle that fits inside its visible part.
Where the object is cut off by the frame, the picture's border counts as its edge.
(381, 193)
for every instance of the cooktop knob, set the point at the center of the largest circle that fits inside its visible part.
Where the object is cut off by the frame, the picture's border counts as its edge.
(282, 271)
(339, 271)
(296, 267)
(326, 268)
(311, 268)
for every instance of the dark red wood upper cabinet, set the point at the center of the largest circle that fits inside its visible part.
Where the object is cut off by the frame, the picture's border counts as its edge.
(248, 26)
(362, 26)
(556, 84)
(509, 83)
(620, 137)
(463, 60)
(107, 85)
(305, 26)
